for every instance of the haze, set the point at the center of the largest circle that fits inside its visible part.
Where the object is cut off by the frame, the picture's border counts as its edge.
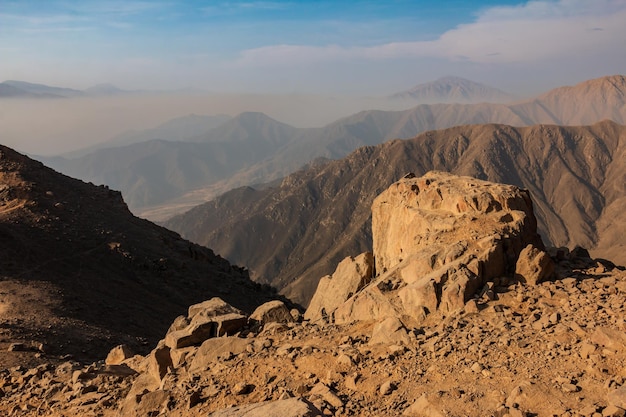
(303, 63)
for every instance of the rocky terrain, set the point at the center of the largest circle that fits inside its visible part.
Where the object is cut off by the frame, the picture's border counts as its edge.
(476, 318)
(79, 273)
(317, 217)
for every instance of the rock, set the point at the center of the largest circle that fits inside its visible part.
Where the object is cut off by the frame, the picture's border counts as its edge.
(534, 266)
(17, 347)
(152, 403)
(608, 337)
(618, 397)
(159, 361)
(291, 407)
(459, 287)
(327, 394)
(241, 388)
(390, 331)
(387, 388)
(423, 408)
(437, 240)
(212, 349)
(296, 315)
(613, 411)
(211, 318)
(118, 354)
(271, 312)
(332, 291)
(441, 209)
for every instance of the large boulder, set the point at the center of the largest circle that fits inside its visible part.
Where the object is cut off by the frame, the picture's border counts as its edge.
(534, 266)
(351, 275)
(292, 407)
(211, 318)
(271, 312)
(437, 240)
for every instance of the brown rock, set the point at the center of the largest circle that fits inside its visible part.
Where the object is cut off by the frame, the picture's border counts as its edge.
(389, 331)
(608, 337)
(440, 208)
(272, 312)
(438, 239)
(159, 360)
(291, 407)
(618, 397)
(351, 275)
(208, 319)
(212, 349)
(534, 266)
(423, 408)
(118, 354)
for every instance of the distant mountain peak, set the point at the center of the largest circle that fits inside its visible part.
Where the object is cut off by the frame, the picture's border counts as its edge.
(452, 89)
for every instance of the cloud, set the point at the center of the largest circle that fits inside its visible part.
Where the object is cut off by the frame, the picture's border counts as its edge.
(529, 32)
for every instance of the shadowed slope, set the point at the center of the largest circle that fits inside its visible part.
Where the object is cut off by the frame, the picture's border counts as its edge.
(96, 274)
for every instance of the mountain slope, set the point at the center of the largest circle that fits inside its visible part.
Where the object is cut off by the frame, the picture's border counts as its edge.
(78, 269)
(454, 90)
(154, 171)
(175, 130)
(302, 228)
(25, 89)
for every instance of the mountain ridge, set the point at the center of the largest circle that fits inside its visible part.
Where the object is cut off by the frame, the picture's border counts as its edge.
(451, 89)
(319, 216)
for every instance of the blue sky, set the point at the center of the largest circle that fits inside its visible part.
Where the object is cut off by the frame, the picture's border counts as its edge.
(342, 47)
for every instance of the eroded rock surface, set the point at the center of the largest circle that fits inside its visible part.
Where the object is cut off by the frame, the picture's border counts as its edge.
(438, 240)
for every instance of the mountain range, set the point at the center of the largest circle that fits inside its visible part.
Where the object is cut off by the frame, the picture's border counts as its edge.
(292, 234)
(184, 174)
(454, 90)
(23, 89)
(80, 272)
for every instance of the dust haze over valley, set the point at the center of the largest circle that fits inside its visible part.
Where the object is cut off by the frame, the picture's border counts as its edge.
(58, 126)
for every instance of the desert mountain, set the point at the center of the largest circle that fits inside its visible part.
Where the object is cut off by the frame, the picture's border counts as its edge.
(300, 229)
(78, 271)
(464, 315)
(175, 130)
(156, 170)
(184, 175)
(453, 90)
(12, 88)
(105, 89)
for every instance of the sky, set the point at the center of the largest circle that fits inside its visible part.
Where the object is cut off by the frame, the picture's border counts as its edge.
(368, 47)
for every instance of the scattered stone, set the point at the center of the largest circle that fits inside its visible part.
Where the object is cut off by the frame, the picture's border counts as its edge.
(292, 407)
(387, 388)
(534, 266)
(271, 312)
(118, 354)
(423, 408)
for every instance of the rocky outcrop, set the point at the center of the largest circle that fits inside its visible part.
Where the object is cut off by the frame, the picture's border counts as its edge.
(438, 240)
(534, 266)
(351, 275)
(211, 318)
(271, 312)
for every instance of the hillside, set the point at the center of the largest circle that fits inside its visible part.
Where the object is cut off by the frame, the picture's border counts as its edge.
(316, 217)
(185, 175)
(156, 170)
(78, 272)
